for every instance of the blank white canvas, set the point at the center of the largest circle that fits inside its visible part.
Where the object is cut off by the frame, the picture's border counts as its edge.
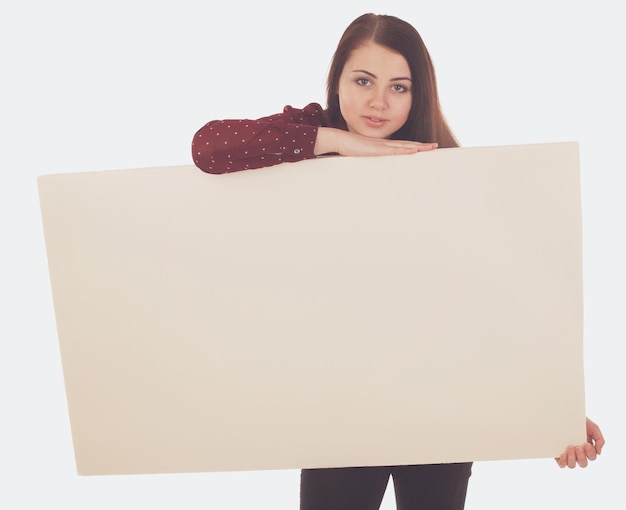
(335, 312)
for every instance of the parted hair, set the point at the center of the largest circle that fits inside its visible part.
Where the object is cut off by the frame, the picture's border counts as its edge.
(426, 122)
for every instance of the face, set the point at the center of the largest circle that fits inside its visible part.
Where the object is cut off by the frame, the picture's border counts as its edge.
(375, 91)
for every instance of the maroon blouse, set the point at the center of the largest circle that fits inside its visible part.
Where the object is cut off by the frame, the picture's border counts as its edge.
(223, 146)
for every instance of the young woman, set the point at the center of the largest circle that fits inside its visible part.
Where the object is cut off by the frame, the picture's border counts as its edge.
(381, 100)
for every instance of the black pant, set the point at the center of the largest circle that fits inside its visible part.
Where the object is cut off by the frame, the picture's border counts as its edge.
(423, 487)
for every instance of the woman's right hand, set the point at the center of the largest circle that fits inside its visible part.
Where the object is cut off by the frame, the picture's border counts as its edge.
(345, 143)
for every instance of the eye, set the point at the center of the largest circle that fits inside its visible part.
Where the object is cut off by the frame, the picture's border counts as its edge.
(362, 81)
(399, 88)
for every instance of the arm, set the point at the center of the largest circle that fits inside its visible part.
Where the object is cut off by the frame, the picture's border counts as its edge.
(345, 143)
(223, 146)
(581, 454)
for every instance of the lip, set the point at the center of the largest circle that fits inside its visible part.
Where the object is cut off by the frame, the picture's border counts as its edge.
(375, 122)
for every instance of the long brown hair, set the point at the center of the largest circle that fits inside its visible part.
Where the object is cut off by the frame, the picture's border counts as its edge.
(426, 122)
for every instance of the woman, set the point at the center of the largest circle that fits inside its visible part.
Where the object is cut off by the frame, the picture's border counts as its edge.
(354, 124)
(381, 100)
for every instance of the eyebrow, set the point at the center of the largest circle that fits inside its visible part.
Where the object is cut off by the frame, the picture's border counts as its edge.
(374, 76)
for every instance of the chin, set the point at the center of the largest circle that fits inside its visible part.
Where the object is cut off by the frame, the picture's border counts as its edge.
(374, 133)
(378, 134)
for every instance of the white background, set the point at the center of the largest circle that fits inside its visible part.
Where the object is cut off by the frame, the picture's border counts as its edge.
(92, 86)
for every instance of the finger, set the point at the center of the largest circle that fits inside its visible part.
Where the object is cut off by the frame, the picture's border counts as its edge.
(561, 460)
(429, 147)
(590, 451)
(595, 435)
(409, 142)
(413, 145)
(598, 440)
(571, 457)
(405, 149)
(581, 457)
(598, 445)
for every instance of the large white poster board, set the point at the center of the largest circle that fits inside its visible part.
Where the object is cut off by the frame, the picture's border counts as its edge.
(334, 312)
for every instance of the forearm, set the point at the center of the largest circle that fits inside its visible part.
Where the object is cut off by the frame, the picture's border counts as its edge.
(327, 141)
(230, 145)
(233, 145)
(347, 143)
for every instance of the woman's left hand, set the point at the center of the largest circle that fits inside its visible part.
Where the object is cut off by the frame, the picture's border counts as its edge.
(581, 455)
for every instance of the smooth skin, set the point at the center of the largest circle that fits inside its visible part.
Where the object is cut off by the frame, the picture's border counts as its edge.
(375, 92)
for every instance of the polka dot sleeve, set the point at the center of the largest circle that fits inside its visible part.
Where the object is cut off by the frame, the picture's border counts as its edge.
(223, 146)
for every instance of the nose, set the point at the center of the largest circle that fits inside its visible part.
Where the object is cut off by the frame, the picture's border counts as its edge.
(378, 99)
